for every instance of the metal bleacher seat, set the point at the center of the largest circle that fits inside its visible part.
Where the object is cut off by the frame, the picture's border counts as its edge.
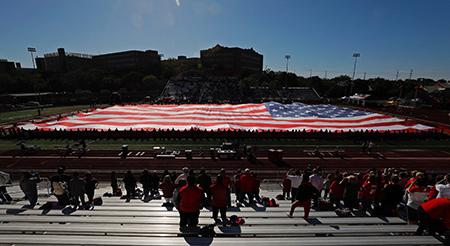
(117, 222)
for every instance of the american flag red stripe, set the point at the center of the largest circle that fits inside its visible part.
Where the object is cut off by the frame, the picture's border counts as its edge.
(227, 117)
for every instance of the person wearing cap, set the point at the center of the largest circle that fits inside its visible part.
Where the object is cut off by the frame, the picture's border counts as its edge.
(416, 193)
(188, 203)
(247, 185)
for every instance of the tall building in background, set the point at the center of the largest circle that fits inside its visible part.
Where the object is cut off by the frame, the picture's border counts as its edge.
(132, 60)
(231, 60)
(61, 61)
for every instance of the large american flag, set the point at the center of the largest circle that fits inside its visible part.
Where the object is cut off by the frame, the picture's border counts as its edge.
(263, 116)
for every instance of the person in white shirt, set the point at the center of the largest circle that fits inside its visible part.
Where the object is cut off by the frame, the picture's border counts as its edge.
(443, 187)
(316, 180)
(296, 180)
(182, 178)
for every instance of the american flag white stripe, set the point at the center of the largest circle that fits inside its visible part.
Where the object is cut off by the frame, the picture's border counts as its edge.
(269, 116)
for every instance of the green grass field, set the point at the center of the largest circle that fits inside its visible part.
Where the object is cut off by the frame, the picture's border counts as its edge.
(14, 116)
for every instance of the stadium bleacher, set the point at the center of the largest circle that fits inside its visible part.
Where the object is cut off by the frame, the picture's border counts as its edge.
(117, 222)
(229, 91)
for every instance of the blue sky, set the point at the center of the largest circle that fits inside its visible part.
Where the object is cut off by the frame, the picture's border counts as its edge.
(318, 34)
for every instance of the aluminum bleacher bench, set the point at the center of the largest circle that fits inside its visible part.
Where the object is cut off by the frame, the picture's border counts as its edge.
(161, 213)
(246, 231)
(279, 241)
(202, 220)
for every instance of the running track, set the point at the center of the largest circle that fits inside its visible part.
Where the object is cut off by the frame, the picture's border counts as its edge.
(102, 162)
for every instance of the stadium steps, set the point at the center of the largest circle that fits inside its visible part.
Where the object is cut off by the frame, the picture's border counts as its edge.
(117, 222)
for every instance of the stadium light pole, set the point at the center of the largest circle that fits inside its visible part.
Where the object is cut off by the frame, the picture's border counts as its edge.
(287, 62)
(32, 50)
(355, 55)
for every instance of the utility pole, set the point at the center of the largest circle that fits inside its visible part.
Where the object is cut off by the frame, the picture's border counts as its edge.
(287, 62)
(32, 50)
(410, 74)
(364, 76)
(396, 76)
(325, 74)
(310, 73)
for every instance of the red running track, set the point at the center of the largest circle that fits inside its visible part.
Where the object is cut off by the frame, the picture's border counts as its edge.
(104, 162)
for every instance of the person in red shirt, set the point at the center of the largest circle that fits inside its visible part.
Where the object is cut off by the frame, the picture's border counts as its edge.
(247, 185)
(434, 215)
(189, 202)
(337, 191)
(367, 193)
(219, 199)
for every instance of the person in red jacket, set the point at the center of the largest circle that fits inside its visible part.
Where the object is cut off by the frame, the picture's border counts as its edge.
(337, 190)
(434, 215)
(247, 185)
(189, 202)
(367, 193)
(219, 199)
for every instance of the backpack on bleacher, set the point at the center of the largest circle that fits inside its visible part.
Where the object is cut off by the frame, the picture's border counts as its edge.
(325, 205)
(273, 203)
(207, 231)
(118, 192)
(98, 201)
(265, 201)
(236, 220)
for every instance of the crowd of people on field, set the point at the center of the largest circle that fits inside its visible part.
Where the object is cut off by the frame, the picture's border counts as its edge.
(226, 133)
